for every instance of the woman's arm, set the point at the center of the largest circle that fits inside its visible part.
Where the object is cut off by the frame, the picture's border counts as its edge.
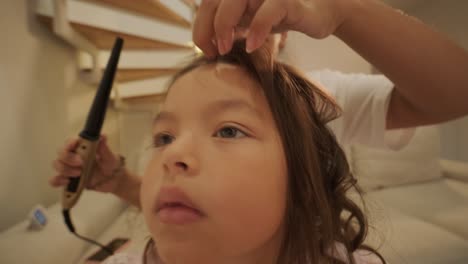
(429, 71)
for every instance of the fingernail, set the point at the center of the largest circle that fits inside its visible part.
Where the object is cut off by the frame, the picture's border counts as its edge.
(226, 46)
(251, 43)
(228, 41)
(221, 48)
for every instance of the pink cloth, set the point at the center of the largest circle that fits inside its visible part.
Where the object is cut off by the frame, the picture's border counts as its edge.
(361, 257)
(124, 258)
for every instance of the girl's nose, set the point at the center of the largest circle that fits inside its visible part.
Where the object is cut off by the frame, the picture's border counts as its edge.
(180, 158)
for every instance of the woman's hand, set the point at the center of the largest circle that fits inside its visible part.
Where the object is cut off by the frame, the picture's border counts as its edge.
(218, 21)
(69, 164)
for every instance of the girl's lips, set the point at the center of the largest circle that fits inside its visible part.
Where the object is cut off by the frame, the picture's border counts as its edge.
(178, 215)
(173, 206)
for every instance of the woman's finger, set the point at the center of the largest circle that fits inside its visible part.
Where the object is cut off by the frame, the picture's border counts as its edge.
(67, 153)
(203, 30)
(58, 181)
(66, 170)
(71, 144)
(103, 149)
(270, 14)
(228, 16)
(70, 158)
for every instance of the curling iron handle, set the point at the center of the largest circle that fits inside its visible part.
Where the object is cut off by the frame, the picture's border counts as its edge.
(87, 150)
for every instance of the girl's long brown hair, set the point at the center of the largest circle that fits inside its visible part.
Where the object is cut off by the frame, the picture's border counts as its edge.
(318, 212)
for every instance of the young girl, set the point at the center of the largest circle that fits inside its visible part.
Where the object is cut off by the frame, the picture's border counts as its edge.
(245, 170)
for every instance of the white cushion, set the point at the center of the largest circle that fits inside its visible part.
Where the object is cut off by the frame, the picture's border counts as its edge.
(417, 162)
(404, 239)
(458, 186)
(96, 211)
(54, 243)
(434, 202)
(130, 224)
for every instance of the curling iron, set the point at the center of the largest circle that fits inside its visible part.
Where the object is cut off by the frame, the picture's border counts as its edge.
(89, 139)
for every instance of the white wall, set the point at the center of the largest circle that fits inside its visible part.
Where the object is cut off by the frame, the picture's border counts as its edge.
(37, 84)
(310, 54)
(34, 79)
(451, 18)
(135, 138)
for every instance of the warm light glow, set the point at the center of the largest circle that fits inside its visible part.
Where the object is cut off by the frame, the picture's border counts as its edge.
(197, 50)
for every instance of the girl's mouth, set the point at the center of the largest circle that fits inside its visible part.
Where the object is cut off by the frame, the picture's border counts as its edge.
(173, 206)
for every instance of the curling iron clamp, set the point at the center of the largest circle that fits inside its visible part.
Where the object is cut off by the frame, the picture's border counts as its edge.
(89, 137)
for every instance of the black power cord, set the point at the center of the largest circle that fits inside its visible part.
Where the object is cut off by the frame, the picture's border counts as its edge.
(69, 224)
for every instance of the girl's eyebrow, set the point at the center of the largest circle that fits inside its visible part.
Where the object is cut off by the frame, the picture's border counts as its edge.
(224, 105)
(163, 115)
(213, 108)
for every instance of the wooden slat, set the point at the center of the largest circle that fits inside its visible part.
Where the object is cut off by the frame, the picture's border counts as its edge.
(126, 75)
(139, 74)
(152, 99)
(104, 39)
(140, 59)
(151, 8)
(191, 3)
(119, 20)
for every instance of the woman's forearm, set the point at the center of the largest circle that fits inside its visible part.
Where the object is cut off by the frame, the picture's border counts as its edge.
(429, 71)
(128, 188)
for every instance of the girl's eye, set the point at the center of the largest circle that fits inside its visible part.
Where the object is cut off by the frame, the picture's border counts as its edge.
(162, 139)
(230, 132)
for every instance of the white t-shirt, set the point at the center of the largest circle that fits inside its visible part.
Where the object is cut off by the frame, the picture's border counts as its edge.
(364, 100)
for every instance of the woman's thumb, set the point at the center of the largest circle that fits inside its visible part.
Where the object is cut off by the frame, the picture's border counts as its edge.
(103, 148)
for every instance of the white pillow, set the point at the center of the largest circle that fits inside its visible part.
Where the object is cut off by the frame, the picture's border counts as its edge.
(96, 211)
(417, 162)
(54, 243)
(130, 224)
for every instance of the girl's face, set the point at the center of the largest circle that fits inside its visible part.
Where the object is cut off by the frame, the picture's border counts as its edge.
(217, 143)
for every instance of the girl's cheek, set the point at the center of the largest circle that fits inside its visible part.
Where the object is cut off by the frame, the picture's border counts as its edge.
(152, 165)
(149, 181)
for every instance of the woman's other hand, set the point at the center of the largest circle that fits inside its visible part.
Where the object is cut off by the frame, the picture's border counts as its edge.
(219, 21)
